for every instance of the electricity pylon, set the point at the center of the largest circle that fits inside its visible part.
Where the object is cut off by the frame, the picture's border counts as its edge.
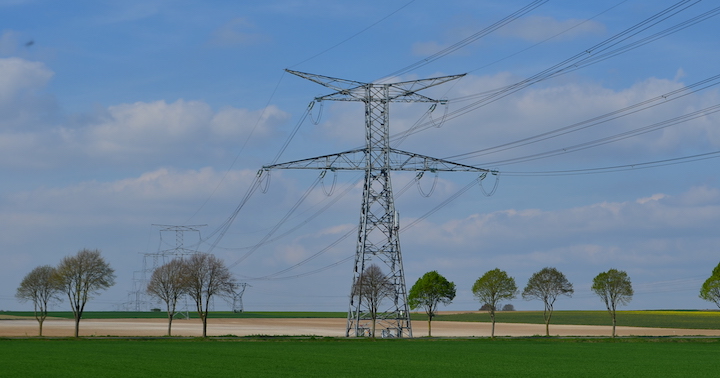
(237, 297)
(378, 230)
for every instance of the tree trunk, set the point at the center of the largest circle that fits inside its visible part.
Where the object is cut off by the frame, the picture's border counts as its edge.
(372, 329)
(613, 330)
(492, 317)
(429, 326)
(77, 326)
(204, 321)
(41, 323)
(547, 327)
(547, 314)
(170, 316)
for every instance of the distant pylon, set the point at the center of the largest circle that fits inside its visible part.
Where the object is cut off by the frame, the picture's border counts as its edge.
(153, 260)
(379, 225)
(237, 298)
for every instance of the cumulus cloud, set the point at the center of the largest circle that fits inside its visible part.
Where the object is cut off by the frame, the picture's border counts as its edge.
(149, 129)
(157, 193)
(599, 226)
(142, 131)
(551, 106)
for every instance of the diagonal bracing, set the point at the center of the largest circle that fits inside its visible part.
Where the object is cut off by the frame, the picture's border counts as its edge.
(379, 228)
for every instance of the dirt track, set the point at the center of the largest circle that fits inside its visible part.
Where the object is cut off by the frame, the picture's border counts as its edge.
(318, 327)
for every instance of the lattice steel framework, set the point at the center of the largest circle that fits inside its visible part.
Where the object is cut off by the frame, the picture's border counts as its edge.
(151, 261)
(378, 230)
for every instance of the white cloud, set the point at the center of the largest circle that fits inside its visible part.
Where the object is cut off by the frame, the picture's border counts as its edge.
(19, 76)
(156, 128)
(609, 225)
(539, 28)
(237, 32)
(8, 42)
(532, 28)
(427, 48)
(562, 103)
(21, 101)
(142, 132)
(148, 198)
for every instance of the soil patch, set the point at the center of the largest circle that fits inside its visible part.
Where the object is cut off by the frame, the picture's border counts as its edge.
(316, 327)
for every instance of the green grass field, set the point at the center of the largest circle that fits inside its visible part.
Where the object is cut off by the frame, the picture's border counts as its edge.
(654, 319)
(330, 357)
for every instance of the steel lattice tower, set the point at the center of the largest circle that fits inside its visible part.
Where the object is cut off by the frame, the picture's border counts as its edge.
(378, 229)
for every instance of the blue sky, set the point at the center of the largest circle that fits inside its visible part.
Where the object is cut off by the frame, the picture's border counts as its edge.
(115, 116)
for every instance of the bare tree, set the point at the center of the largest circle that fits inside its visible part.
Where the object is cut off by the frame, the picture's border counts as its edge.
(614, 288)
(39, 287)
(494, 286)
(546, 285)
(168, 283)
(372, 287)
(207, 276)
(82, 276)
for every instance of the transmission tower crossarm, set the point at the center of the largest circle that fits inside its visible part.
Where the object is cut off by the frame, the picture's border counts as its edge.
(351, 90)
(410, 161)
(348, 160)
(340, 85)
(355, 160)
(410, 88)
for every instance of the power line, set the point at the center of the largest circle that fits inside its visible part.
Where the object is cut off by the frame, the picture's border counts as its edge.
(468, 40)
(618, 168)
(613, 138)
(277, 226)
(356, 34)
(595, 121)
(601, 51)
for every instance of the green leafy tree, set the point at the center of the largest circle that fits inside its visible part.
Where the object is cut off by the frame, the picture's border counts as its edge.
(168, 283)
(428, 292)
(39, 287)
(372, 287)
(546, 285)
(615, 289)
(207, 276)
(82, 276)
(493, 287)
(710, 290)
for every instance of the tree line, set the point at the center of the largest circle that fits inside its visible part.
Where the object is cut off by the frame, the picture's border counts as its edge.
(202, 276)
(432, 289)
(80, 277)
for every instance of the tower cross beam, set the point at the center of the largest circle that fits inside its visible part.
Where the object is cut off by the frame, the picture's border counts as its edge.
(354, 160)
(350, 90)
(379, 225)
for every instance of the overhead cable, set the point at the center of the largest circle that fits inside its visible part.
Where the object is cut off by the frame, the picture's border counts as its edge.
(613, 138)
(468, 40)
(277, 226)
(583, 58)
(595, 121)
(618, 168)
